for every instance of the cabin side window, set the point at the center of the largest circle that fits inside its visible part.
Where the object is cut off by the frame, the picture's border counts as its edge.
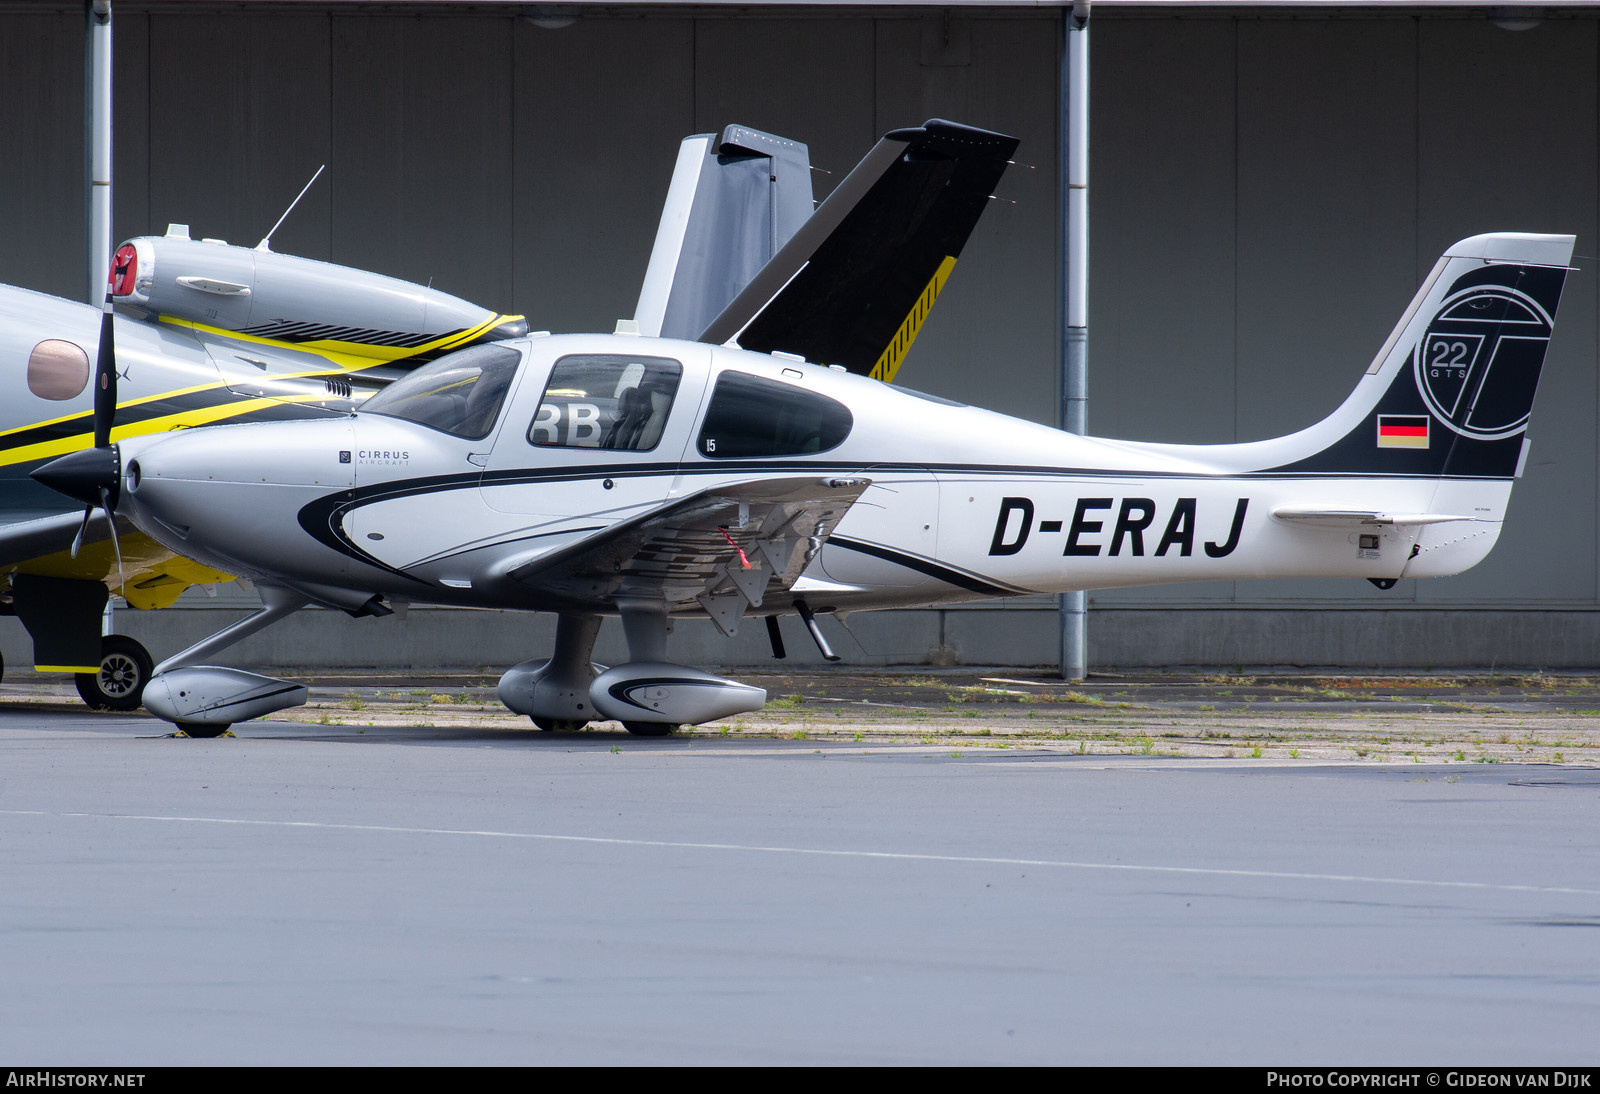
(751, 416)
(603, 400)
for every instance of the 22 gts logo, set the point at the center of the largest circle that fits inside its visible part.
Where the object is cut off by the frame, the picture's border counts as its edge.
(1094, 529)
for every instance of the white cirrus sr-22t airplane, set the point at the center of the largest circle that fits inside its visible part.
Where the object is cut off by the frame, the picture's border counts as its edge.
(653, 479)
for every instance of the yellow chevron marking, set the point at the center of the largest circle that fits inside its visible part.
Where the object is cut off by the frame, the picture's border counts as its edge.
(350, 356)
(889, 363)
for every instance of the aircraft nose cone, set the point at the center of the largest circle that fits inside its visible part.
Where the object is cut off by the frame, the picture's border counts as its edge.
(82, 475)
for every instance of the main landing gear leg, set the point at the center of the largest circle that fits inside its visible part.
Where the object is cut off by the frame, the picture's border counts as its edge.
(555, 693)
(644, 624)
(204, 700)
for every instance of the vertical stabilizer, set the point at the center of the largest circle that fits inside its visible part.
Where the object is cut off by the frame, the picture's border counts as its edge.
(854, 285)
(1452, 389)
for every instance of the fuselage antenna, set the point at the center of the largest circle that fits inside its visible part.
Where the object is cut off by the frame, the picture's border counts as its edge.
(262, 246)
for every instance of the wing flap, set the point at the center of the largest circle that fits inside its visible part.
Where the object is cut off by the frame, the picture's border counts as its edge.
(738, 540)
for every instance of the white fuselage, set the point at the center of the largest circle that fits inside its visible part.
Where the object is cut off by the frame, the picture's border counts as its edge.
(963, 502)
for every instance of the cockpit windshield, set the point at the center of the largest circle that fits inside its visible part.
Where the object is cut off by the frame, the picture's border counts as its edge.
(460, 393)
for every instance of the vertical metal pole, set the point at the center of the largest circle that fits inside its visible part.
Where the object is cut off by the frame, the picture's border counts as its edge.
(97, 157)
(1073, 174)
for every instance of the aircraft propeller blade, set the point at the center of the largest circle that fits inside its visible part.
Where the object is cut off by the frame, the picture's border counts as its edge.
(105, 379)
(83, 529)
(116, 542)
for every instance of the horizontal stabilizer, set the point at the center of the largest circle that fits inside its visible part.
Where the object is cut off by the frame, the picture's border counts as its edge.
(1295, 514)
(855, 283)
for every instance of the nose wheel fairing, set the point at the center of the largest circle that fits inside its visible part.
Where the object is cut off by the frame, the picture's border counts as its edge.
(211, 695)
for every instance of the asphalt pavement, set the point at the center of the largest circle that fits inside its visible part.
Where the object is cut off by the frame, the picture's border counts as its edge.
(469, 890)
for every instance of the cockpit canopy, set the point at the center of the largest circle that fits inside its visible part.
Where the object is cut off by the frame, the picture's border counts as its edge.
(460, 393)
(617, 402)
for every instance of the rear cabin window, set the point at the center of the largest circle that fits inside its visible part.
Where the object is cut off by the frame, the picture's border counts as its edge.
(751, 416)
(606, 401)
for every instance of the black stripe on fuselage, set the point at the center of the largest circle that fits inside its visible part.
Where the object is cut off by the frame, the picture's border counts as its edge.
(961, 579)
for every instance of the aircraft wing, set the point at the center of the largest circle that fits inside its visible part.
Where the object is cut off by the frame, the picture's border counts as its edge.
(724, 548)
(149, 575)
(25, 540)
(856, 280)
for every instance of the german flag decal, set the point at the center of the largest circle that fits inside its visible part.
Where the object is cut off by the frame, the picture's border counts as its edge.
(1402, 431)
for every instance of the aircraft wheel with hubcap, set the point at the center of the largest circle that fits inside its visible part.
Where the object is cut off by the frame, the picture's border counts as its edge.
(197, 729)
(124, 671)
(649, 729)
(560, 725)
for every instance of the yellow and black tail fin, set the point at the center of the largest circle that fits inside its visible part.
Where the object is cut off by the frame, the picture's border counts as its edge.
(854, 284)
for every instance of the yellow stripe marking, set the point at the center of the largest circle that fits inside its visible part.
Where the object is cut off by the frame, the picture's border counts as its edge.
(889, 363)
(66, 668)
(181, 420)
(88, 415)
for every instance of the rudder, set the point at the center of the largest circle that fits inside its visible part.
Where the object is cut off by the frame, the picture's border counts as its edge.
(1451, 392)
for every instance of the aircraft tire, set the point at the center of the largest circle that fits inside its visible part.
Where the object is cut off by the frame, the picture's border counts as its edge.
(560, 725)
(649, 729)
(203, 730)
(124, 671)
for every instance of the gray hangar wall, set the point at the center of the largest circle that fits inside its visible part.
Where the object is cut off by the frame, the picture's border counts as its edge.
(1267, 191)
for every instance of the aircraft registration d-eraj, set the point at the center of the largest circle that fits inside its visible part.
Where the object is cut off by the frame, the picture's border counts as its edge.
(207, 332)
(653, 479)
